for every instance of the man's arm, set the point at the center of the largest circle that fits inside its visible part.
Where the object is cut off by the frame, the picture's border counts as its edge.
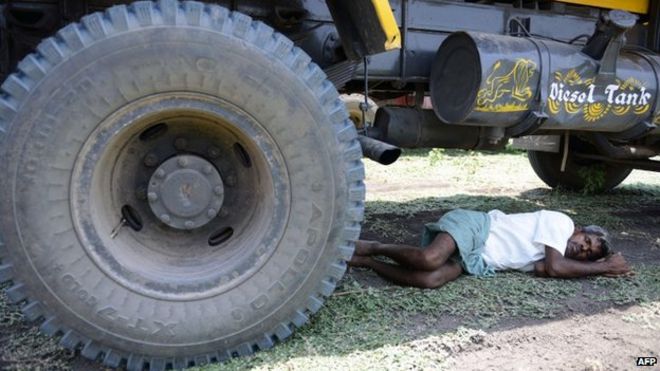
(556, 265)
(539, 268)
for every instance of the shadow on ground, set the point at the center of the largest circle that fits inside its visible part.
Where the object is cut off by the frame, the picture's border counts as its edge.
(368, 319)
(632, 215)
(368, 316)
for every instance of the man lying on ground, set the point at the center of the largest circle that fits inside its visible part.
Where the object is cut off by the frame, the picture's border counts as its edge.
(546, 242)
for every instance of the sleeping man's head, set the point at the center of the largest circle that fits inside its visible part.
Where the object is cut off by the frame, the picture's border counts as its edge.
(588, 243)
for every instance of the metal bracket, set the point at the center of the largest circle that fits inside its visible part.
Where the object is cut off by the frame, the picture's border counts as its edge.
(530, 124)
(643, 127)
(364, 106)
(637, 131)
(538, 116)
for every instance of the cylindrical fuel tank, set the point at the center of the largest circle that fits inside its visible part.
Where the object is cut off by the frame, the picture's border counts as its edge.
(493, 80)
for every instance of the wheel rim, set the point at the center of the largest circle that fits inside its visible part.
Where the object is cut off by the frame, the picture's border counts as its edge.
(228, 236)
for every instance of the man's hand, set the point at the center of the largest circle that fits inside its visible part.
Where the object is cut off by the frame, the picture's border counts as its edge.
(558, 266)
(617, 266)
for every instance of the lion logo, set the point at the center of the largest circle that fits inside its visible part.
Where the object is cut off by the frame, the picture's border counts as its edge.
(510, 91)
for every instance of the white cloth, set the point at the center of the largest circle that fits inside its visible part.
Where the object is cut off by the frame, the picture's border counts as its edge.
(516, 241)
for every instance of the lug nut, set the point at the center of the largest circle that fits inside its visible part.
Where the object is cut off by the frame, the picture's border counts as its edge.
(218, 190)
(165, 218)
(182, 162)
(208, 169)
(214, 152)
(153, 196)
(180, 144)
(160, 173)
(211, 213)
(189, 224)
(151, 160)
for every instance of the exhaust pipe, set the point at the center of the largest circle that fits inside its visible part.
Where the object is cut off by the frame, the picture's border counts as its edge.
(381, 152)
(414, 128)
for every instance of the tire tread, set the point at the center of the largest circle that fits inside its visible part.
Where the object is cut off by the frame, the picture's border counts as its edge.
(96, 26)
(31, 68)
(91, 350)
(72, 37)
(121, 18)
(52, 51)
(6, 272)
(71, 340)
(32, 311)
(16, 87)
(112, 359)
(50, 326)
(17, 293)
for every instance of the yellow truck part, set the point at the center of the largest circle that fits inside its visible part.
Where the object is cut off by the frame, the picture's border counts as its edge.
(365, 27)
(388, 24)
(635, 6)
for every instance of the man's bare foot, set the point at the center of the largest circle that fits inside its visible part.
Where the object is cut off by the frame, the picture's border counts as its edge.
(365, 248)
(359, 261)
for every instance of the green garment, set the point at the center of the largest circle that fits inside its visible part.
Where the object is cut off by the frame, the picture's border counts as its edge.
(469, 229)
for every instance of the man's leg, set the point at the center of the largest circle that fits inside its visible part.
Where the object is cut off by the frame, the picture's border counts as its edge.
(429, 258)
(407, 277)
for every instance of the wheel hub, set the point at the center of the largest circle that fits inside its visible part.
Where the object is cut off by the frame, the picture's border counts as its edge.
(186, 192)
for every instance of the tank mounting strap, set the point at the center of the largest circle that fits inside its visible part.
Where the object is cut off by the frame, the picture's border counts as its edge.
(637, 131)
(647, 125)
(537, 116)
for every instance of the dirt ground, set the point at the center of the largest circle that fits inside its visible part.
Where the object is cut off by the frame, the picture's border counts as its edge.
(593, 330)
(594, 324)
(586, 335)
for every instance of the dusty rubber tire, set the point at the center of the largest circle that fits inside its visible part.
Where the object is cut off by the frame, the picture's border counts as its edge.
(75, 83)
(547, 166)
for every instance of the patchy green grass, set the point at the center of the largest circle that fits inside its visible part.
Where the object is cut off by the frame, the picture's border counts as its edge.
(433, 180)
(387, 229)
(643, 287)
(23, 347)
(584, 209)
(365, 326)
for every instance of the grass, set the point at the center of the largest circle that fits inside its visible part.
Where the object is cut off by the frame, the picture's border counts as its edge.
(584, 209)
(363, 326)
(367, 326)
(432, 180)
(23, 347)
(643, 287)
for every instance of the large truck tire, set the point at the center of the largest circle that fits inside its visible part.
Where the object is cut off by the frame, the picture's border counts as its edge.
(575, 177)
(180, 185)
